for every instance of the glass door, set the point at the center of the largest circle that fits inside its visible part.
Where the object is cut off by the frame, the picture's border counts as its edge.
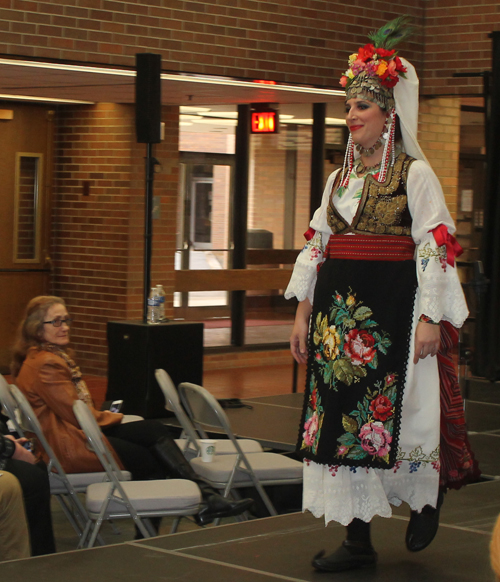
(201, 215)
(204, 237)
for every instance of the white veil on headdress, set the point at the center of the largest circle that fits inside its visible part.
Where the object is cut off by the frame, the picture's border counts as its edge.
(406, 98)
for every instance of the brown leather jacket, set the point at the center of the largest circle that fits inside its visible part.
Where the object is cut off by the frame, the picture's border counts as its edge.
(45, 380)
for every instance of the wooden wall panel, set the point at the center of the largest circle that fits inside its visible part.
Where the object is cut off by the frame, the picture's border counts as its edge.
(16, 289)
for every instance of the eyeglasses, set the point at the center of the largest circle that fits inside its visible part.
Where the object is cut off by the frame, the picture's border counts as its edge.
(59, 322)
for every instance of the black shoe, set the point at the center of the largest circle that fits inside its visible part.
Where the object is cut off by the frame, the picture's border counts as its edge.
(350, 556)
(217, 506)
(423, 526)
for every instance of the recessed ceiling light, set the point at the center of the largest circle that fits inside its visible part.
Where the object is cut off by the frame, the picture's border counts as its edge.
(328, 121)
(227, 114)
(216, 121)
(44, 99)
(63, 67)
(297, 121)
(193, 109)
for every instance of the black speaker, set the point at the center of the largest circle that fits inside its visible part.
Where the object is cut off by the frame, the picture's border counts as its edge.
(137, 349)
(148, 98)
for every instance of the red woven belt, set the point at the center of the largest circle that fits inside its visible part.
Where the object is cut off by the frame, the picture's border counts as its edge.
(370, 248)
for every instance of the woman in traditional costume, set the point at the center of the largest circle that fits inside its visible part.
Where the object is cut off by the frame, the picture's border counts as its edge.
(374, 281)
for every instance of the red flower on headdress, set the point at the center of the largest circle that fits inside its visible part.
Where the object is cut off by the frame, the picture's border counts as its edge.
(380, 63)
(400, 68)
(366, 52)
(382, 52)
(390, 81)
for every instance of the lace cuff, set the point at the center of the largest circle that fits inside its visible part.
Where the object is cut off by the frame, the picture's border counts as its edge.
(305, 271)
(441, 295)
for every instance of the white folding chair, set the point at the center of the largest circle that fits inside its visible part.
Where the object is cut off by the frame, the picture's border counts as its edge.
(226, 472)
(135, 499)
(189, 445)
(65, 486)
(9, 406)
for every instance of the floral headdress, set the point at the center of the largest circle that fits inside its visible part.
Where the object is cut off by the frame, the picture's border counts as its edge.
(375, 69)
(373, 73)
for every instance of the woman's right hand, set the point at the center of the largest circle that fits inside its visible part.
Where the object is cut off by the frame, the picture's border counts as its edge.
(298, 339)
(21, 454)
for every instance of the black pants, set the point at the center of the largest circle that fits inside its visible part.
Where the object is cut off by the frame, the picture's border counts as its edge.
(34, 482)
(133, 443)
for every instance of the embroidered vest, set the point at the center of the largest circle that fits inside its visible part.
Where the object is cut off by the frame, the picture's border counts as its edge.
(383, 208)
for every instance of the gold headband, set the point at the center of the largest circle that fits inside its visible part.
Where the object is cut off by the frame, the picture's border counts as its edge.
(365, 87)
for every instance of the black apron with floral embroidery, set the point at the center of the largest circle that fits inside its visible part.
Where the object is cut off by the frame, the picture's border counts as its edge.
(358, 353)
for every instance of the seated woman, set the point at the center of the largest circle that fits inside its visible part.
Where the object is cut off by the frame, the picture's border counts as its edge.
(51, 381)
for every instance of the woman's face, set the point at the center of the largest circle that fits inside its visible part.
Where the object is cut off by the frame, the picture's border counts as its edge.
(365, 121)
(53, 334)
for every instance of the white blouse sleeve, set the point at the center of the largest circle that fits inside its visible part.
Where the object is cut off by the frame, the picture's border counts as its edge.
(440, 292)
(305, 271)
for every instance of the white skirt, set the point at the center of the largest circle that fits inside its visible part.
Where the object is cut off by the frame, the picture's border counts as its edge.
(342, 493)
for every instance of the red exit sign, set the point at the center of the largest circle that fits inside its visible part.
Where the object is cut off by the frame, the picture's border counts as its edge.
(264, 122)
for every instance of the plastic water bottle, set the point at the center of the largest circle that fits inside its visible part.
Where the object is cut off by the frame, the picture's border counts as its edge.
(154, 306)
(161, 295)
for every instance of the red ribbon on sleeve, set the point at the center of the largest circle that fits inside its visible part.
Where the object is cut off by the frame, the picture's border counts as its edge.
(310, 232)
(443, 237)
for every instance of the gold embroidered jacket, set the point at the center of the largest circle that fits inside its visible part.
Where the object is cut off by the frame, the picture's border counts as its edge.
(383, 208)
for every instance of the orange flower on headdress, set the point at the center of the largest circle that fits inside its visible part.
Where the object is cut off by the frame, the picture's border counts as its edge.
(382, 68)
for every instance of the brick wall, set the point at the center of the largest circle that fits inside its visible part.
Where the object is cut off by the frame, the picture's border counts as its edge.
(194, 141)
(439, 137)
(98, 239)
(266, 204)
(303, 185)
(284, 40)
(456, 40)
(220, 212)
